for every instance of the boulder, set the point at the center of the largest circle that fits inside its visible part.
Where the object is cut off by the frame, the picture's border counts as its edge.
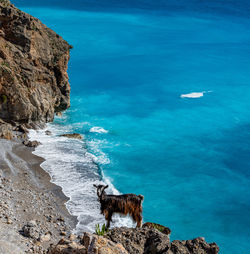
(31, 230)
(6, 130)
(33, 144)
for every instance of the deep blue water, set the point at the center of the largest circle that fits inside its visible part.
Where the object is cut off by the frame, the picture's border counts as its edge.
(131, 62)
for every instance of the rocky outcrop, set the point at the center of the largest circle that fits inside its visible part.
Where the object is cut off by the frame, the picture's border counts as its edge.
(88, 244)
(145, 240)
(195, 246)
(33, 68)
(140, 240)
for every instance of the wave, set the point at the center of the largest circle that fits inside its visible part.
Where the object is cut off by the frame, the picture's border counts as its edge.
(194, 94)
(98, 130)
(75, 169)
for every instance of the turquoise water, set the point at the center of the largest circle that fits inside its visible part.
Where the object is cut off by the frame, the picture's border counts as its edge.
(130, 65)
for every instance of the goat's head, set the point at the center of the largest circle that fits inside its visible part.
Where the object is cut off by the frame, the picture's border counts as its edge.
(100, 189)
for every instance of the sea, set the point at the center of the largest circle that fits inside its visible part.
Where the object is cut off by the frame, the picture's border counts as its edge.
(160, 92)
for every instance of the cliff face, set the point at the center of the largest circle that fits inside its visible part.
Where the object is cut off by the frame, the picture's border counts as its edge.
(33, 68)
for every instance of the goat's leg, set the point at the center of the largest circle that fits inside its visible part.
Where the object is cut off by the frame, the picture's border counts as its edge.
(139, 221)
(108, 218)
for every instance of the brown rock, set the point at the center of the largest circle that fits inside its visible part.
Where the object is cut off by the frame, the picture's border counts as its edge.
(31, 230)
(33, 68)
(73, 135)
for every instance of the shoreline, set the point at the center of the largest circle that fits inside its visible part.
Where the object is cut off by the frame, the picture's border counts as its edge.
(44, 177)
(72, 159)
(27, 194)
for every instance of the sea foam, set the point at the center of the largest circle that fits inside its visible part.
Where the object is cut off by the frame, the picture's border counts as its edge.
(194, 94)
(98, 130)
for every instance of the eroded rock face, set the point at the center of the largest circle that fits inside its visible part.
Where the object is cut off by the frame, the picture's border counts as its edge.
(33, 68)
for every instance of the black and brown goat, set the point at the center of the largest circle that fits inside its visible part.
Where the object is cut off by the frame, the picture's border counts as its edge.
(124, 204)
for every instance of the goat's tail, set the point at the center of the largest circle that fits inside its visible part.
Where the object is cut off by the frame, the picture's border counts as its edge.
(141, 197)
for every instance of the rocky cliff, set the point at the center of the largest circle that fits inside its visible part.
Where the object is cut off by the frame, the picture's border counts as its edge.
(33, 68)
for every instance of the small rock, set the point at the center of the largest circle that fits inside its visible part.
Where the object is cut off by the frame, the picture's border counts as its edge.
(60, 218)
(9, 221)
(59, 114)
(2, 34)
(45, 238)
(63, 233)
(30, 230)
(47, 132)
(32, 223)
(72, 135)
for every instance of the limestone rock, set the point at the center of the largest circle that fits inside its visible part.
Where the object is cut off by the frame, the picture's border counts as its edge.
(33, 68)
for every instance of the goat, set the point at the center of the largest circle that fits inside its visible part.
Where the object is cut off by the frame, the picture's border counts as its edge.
(124, 204)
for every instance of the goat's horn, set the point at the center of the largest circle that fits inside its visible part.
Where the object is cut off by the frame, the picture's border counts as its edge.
(95, 185)
(141, 197)
(106, 187)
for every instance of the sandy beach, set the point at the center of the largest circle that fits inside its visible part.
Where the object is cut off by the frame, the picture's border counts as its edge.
(27, 195)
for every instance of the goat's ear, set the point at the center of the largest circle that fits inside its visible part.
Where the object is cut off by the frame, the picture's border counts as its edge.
(95, 185)
(106, 187)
